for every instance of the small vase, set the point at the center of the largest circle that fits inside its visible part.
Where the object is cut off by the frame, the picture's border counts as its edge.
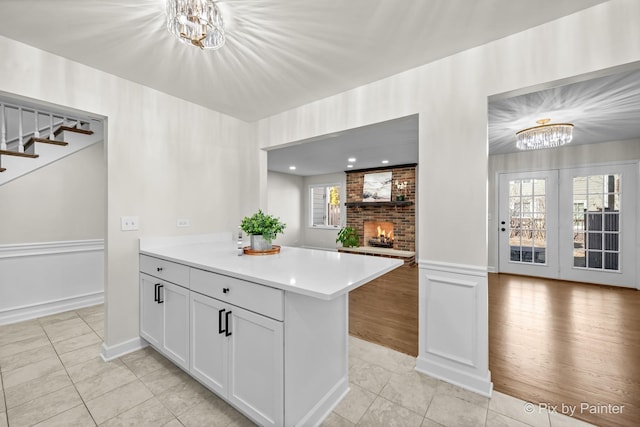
(258, 243)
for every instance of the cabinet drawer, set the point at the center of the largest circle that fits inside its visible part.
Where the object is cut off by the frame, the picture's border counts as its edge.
(251, 296)
(165, 270)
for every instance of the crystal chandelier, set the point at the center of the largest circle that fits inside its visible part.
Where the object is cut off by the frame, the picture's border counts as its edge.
(196, 23)
(544, 136)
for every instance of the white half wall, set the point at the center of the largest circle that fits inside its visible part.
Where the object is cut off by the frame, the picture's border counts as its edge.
(45, 278)
(285, 200)
(453, 324)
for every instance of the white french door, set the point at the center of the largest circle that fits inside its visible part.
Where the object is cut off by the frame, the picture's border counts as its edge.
(598, 227)
(573, 224)
(528, 223)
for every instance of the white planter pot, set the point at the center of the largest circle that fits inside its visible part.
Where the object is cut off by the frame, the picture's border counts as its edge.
(259, 244)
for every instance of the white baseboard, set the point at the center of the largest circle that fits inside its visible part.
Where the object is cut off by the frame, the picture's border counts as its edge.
(462, 379)
(326, 405)
(113, 352)
(50, 307)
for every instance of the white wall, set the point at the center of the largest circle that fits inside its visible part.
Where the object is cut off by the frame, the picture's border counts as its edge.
(285, 196)
(166, 159)
(65, 200)
(563, 157)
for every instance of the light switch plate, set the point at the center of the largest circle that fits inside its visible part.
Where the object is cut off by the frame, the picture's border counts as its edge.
(129, 223)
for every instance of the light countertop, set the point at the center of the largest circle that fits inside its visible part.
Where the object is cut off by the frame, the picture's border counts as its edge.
(316, 273)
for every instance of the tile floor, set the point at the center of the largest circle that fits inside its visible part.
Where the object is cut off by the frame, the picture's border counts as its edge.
(51, 374)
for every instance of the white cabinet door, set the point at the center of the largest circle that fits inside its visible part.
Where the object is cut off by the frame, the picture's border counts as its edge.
(208, 342)
(175, 300)
(151, 311)
(256, 366)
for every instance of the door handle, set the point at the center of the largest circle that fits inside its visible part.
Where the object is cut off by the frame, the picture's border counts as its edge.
(220, 330)
(160, 287)
(226, 323)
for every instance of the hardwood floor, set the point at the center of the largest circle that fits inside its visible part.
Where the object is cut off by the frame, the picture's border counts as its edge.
(556, 343)
(385, 310)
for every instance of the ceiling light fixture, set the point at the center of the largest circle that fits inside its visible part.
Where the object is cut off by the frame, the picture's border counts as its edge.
(349, 166)
(196, 23)
(544, 136)
(351, 159)
(384, 162)
(292, 168)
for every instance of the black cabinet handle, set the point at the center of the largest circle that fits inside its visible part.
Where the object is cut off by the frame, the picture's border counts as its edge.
(159, 269)
(160, 299)
(156, 293)
(220, 330)
(503, 229)
(225, 290)
(226, 322)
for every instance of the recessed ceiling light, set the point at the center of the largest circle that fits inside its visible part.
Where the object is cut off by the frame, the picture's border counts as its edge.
(349, 166)
(292, 168)
(384, 162)
(351, 159)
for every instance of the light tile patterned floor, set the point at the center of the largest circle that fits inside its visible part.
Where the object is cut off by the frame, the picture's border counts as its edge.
(51, 374)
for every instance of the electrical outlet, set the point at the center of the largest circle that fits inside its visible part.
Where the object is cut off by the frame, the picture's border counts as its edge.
(129, 223)
(183, 223)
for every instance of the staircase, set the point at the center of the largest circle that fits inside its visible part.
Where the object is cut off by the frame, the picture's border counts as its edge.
(31, 138)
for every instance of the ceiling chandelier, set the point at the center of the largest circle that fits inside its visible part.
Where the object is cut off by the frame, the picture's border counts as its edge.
(196, 23)
(545, 135)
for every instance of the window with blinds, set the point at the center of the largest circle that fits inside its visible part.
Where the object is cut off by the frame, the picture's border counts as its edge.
(325, 206)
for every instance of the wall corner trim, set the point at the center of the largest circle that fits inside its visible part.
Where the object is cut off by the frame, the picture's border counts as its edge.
(109, 353)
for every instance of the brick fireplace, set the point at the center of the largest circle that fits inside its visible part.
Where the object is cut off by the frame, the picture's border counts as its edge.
(396, 216)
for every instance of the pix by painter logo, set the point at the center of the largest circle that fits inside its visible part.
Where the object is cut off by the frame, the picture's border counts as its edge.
(571, 410)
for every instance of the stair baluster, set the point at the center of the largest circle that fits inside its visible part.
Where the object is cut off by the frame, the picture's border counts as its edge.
(20, 132)
(3, 123)
(51, 135)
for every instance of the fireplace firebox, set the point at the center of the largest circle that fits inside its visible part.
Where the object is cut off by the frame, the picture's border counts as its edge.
(378, 234)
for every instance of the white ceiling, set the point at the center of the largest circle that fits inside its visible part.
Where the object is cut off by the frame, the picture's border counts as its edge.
(281, 54)
(605, 108)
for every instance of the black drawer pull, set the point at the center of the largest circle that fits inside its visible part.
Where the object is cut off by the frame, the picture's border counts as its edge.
(226, 323)
(160, 269)
(225, 290)
(220, 330)
(160, 299)
(156, 293)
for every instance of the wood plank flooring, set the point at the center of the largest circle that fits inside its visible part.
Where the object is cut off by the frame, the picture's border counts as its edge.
(550, 341)
(385, 310)
(568, 343)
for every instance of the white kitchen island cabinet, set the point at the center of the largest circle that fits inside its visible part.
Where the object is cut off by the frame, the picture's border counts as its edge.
(269, 334)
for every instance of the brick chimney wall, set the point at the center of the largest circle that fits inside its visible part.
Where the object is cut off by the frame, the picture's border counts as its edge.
(402, 217)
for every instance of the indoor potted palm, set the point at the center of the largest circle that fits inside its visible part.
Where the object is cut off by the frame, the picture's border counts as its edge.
(263, 229)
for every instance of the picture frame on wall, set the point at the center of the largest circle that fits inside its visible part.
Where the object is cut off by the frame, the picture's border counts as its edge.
(377, 187)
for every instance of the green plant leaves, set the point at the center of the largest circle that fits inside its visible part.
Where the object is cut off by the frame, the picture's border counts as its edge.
(260, 223)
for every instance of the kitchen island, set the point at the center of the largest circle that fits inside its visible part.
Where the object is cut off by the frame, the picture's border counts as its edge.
(268, 333)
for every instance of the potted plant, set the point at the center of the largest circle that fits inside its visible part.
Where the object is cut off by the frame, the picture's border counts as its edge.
(348, 236)
(263, 229)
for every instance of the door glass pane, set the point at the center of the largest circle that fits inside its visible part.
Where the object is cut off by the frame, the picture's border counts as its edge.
(527, 221)
(596, 222)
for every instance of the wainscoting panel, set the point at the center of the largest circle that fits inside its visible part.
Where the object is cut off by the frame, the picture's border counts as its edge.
(453, 326)
(39, 279)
